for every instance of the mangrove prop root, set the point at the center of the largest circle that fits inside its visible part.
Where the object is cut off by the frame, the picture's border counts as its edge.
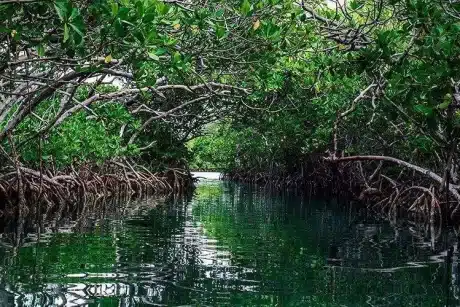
(427, 204)
(24, 190)
(369, 179)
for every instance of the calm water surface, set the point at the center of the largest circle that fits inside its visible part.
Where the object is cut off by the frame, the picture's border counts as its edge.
(232, 245)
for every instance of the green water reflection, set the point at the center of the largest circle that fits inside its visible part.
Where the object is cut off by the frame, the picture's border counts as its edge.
(232, 245)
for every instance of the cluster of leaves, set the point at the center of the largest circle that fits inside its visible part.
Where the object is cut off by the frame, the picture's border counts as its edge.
(67, 145)
(294, 119)
(145, 41)
(92, 135)
(216, 149)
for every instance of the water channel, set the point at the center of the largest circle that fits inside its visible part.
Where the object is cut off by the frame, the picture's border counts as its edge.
(233, 245)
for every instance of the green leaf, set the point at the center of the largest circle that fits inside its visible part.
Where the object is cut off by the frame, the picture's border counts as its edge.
(443, 105)
(220, 31)
(423, 109)
(439, 30)
(152, 35)
(78, 27)
(140, 8)
(176, 57)
(220, 13)
(354, 5)
(41, 50)
(123, 13)
(119, 28)
(456, 27)
(114, 6)
(62, 9)
(140, 36)
(447, 101)
(66, 33)
(75, 14)
(153, 56)
(149, 17)
(162, 8)
(161, 51)
(245, 7)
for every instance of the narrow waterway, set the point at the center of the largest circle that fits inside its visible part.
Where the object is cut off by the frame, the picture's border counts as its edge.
(233, 245)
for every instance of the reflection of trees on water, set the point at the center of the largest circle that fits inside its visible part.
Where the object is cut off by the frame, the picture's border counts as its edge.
(234, 245)
(371, 262)
(26, 272)
(419, 260)
(157, 258)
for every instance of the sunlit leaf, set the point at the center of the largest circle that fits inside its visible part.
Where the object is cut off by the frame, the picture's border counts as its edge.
(220, 31)
(108, 59)
(445, 104)
(153, 56)
(245, 7)
(161, 51)
(256, 25)
(114, 6)
(177, 57)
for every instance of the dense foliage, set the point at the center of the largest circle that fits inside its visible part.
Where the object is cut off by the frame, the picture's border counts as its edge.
(380, 75)
(93, 81)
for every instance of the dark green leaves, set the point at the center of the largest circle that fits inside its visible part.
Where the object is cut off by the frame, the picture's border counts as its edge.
(63, 9)
(73, 25)
(354, 4)
(424, 110)
(119, 29)
(140, 8)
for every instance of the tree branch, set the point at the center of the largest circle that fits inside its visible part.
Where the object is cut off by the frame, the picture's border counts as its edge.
(426, 172)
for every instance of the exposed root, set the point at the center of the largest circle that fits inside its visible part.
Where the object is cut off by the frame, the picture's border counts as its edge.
(384, 187)
(314, 174)
(25, 192)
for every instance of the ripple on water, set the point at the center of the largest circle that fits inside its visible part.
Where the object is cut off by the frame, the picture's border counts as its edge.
(229, 245)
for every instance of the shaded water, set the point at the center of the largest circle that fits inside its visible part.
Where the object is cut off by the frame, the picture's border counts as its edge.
(232, 245)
